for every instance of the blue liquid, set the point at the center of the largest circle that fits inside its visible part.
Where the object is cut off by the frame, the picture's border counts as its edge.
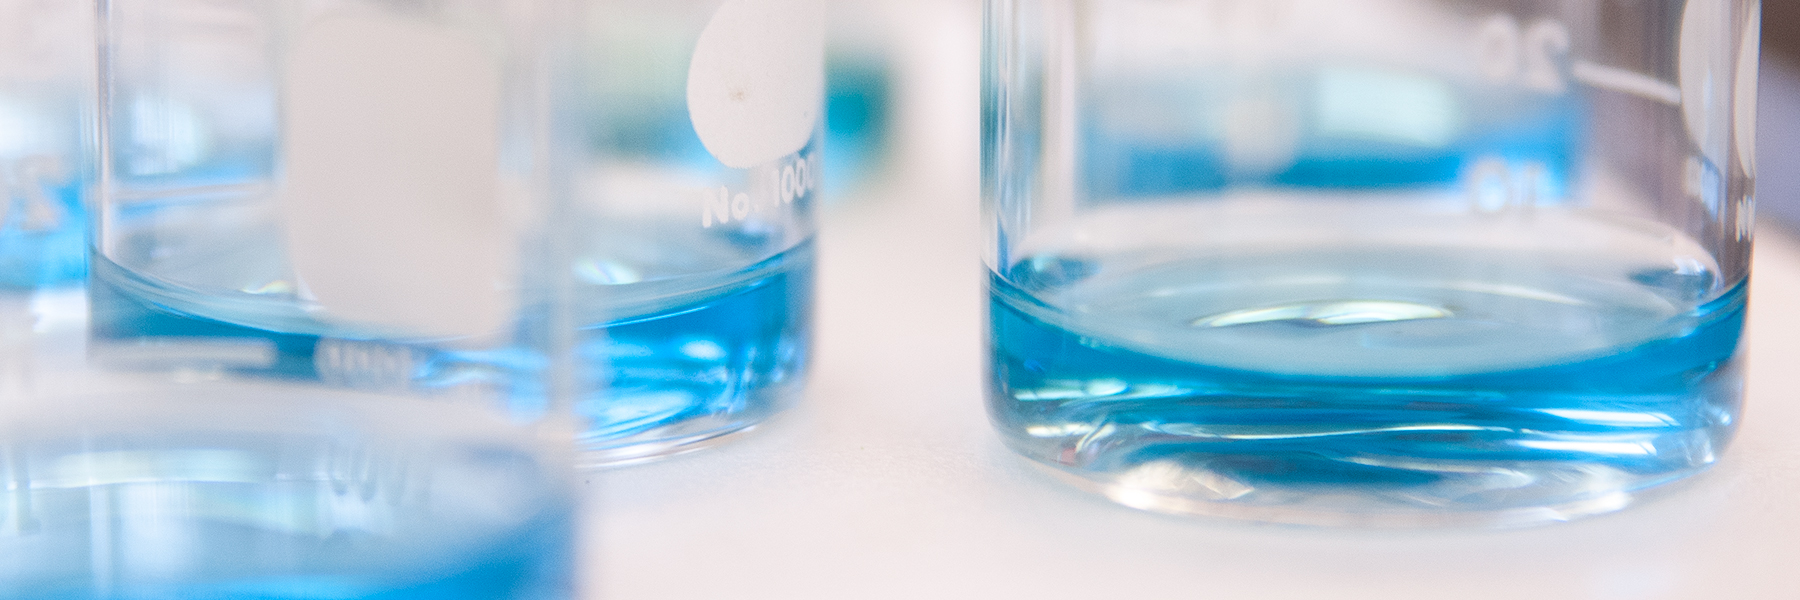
(200, 510)
(43, 235)
(692, 366)
(859, 97)
(1146, 141)
(670, 360)
(1365, 379)
(43, 221)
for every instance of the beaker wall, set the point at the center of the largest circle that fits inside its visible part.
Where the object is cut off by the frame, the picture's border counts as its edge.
(1390, 261)
(356, 193)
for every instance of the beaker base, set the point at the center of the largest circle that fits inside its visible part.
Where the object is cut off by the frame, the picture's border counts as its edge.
(1344, 506)
(233, 490)
(621, 455)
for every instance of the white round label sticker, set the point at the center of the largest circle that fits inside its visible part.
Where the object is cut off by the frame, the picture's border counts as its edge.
(757, 81)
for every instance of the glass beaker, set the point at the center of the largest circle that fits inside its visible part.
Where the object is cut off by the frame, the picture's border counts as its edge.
(1368, 261)
(46, 57)
(46, 91)
(696, 173)
(209, 490)
(330, 343)
(685, 139)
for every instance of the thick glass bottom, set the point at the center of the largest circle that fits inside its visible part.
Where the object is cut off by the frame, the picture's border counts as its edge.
(1377, 388)
(227, 492)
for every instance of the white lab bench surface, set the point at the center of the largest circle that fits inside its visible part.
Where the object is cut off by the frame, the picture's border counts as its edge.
(886, 481)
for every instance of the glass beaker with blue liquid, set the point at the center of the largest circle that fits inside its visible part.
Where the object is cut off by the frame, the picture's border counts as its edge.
(46, 58)
(330, 353)
(46, 91)
(1369, 262)
(696, 130)
(684, 150)
(215, 491)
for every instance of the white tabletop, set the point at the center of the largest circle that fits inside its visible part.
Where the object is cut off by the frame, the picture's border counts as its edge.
(887, 482)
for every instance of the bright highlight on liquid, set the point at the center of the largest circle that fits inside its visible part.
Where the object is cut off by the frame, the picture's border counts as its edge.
(1368, 377)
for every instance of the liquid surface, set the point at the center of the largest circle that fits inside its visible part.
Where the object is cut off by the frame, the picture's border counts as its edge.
(671, 354)
(1368, 377)
(185, 501)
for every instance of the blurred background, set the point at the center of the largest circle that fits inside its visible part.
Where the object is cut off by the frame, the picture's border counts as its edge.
(1781, 26)
(903, 99)
(1778, 152)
